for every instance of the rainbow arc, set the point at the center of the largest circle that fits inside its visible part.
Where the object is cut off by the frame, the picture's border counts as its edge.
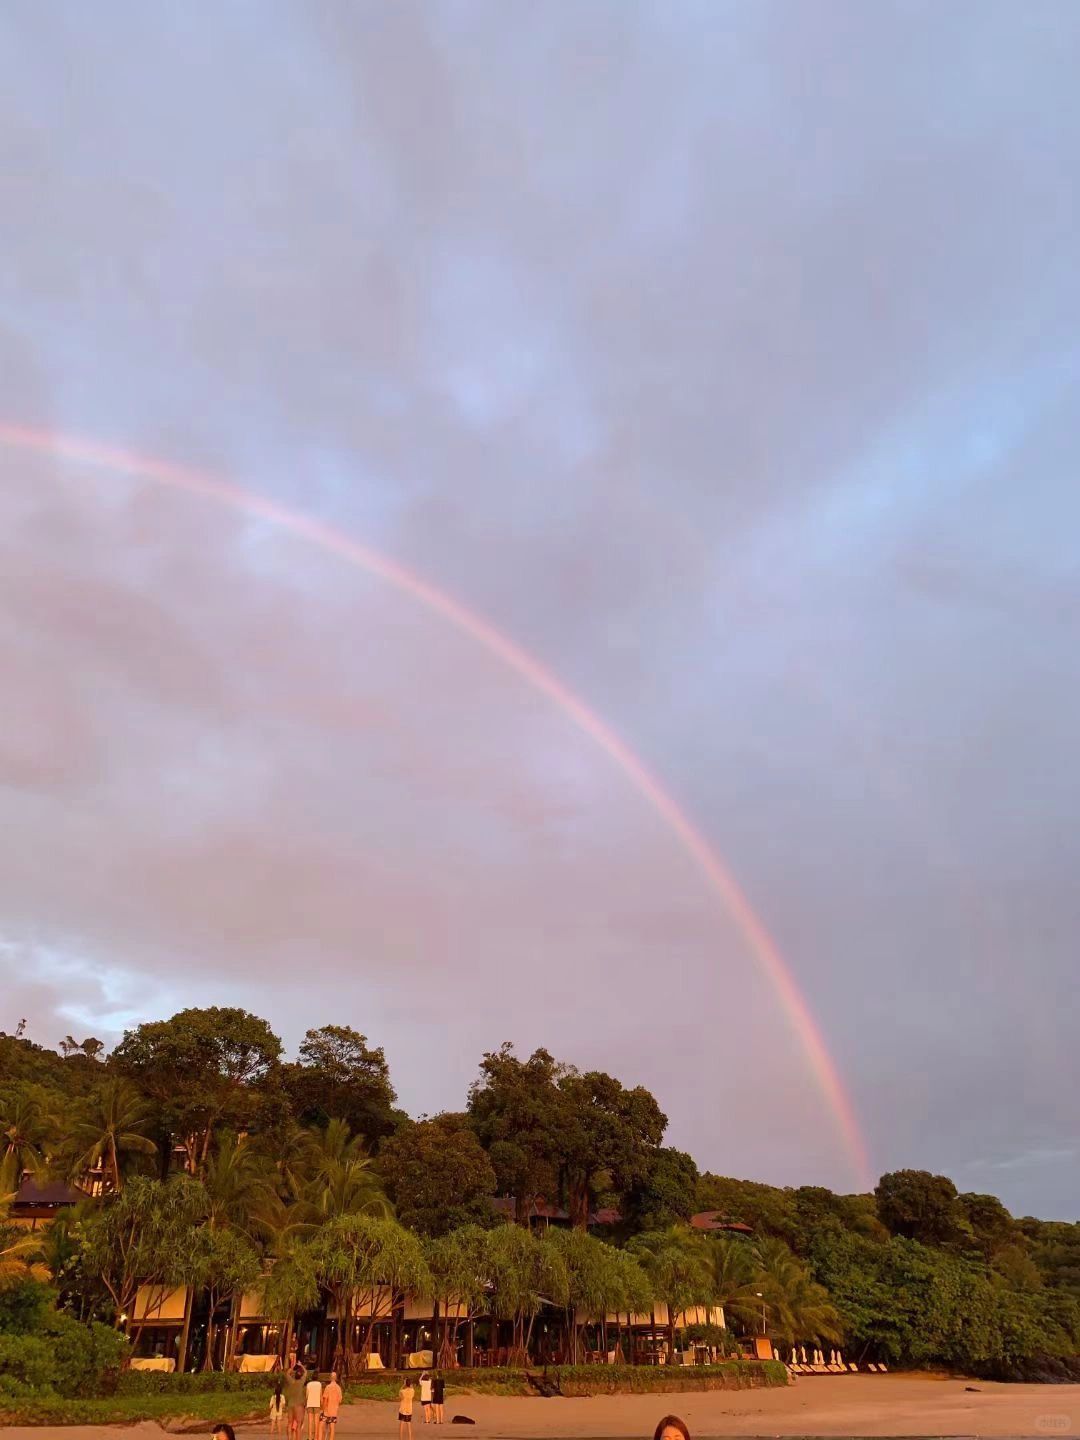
(710, 864)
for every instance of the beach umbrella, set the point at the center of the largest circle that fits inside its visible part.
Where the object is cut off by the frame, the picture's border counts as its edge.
(840, 1358)
(803, 1350)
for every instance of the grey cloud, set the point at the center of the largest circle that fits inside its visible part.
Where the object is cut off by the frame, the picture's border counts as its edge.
(725, 356)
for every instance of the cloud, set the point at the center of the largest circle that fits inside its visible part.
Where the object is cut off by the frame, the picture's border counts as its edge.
(726, 362)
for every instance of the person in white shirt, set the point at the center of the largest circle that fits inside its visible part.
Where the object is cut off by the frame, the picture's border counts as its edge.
(425, 1396)
(313, 1395)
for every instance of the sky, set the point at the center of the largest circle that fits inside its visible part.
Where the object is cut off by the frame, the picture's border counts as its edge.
(724, 358)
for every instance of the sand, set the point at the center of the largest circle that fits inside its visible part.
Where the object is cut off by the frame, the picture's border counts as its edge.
(857, 1405)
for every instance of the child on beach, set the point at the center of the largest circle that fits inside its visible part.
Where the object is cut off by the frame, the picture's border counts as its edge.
(277, 1410)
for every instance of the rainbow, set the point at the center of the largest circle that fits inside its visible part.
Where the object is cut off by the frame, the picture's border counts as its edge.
(88, 453)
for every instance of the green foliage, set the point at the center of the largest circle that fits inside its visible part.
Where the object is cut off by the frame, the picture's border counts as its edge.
(108, 1129)
(338, 1074)
(204, 1069)
(48, 1409)
(914, 1305)
(41, 1349)
(765, 1208)
(460, 1265)
(658, 1380)
(665, 1193)
(919, 1206)
(677, 1264)
(363, 1255)
(515, 1108)
(141, 1236)
(194, 1382)
(438, 1175)
(553, 1131)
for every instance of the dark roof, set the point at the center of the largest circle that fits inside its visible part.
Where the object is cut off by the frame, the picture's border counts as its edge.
(50, 1196)
(717, 1220)
(541, 1210)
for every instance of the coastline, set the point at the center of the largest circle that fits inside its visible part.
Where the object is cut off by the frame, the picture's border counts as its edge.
(916, 1405)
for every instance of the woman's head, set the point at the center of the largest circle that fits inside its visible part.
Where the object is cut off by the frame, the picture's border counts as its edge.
(671, 1428)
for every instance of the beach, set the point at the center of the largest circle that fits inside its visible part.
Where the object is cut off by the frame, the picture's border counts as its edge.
(856, 1405)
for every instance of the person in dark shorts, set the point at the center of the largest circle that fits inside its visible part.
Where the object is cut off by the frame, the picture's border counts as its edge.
(438, 1398)
(404, 1411)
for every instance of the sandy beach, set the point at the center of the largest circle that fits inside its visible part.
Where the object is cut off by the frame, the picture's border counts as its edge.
(857, 1405)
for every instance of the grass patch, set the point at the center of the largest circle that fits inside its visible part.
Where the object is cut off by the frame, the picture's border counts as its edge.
(214, 1396)
(666, 1379)
(128, 1409)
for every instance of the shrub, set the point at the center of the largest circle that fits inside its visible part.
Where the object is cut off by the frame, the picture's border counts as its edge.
(651, 1380)
(195, 1382)
(63, 1357)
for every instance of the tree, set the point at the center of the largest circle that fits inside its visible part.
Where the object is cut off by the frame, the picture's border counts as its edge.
(607, 1139)
(765, 1208)
(594, 1284)
(25, 1133)
(526, 1273)
(340, 1177)
(19, 1251)
(665, 1194)
(797, 1307)
(517, 1110)
(239, 1186)
(224, 1264)
(551, 1130)
(338, 1074)
(919, 1206)
(438, 1175)
(460, 1266)
(289, 1287)
(107, 1129)
(204, 1068)
(141, 1236)
(734, 1268)
(677, 1265)
(367, 1259)
(988, 1222)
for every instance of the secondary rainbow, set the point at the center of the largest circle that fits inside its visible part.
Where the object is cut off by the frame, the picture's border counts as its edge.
(713, 868)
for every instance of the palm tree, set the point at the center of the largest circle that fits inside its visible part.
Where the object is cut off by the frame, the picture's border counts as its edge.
(677, 1265)
(340, 1177)
(798, 1307)
(110, 1126)
(239, 1187)
(734, 1274)
(25, 1131)
(16, 1249)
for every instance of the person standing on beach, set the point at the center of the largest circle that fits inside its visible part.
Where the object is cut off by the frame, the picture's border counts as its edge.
(425, 1396)
(404, 1411)
(331, 1405)
(313, 1406)
(277, 1409)
(438, 1396)
(295, 1400)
